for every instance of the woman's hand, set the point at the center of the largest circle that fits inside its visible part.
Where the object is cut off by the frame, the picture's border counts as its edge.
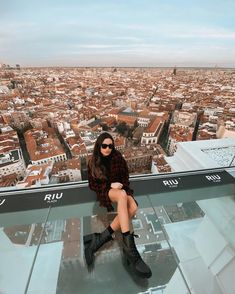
(116, 185)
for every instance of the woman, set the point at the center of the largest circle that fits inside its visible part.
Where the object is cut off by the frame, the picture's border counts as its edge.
(108, 176)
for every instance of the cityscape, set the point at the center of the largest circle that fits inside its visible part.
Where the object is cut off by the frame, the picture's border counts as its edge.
(51, 117)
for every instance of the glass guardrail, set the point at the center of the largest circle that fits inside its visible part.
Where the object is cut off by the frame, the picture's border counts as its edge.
(20, 238)
(42, 249)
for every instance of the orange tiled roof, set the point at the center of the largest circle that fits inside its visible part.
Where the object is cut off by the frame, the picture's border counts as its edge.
(42, 147)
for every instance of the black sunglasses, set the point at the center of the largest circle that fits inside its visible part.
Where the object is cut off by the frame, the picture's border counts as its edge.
(104, 146)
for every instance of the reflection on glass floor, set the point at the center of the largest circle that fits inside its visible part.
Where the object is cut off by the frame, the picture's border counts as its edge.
(176, 241)
(59, 265)
(110, 273)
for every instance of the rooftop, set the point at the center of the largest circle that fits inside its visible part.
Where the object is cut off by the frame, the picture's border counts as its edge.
(224, 156)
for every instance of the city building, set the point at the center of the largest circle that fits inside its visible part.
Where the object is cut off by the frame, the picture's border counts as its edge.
(138, 160)
(36, 176)
(178, 134)
(183, 118)
(69, 170)
(153, 131)
(11, 157)
(8, 180)
(120, 142)
(144, 118)
(160, 165)
(181, 129)
(43, 146)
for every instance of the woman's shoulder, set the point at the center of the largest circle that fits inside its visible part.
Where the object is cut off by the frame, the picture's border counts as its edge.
(117, 154)
(118, 157)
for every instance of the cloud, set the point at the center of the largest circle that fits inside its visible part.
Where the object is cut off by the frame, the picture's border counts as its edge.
(98, 46)
(134, 27)
(128, 38)
(110, 29)
(181, 31)
(207, 33)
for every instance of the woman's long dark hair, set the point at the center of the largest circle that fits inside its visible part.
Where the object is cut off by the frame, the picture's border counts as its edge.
(97, 169)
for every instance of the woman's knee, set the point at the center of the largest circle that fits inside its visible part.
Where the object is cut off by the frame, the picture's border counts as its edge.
(133, 210)
(132, 207)
(118, 195)
(122, 196)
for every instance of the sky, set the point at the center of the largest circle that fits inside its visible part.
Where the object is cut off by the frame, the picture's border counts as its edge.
(118, 33)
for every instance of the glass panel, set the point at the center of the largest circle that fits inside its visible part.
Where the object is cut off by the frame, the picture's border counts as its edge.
(60, 260)
(201, 239)
(169, 220)
(179, 232)
(20, 234)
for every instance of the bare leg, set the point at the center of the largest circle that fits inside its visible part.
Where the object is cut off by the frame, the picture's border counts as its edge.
(126, 209)
(132, 208)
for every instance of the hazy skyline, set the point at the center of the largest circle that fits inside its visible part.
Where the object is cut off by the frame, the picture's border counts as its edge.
(117, 33)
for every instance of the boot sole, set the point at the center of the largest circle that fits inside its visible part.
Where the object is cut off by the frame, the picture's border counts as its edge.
(131, 268)
(87, 258)
(87, 241)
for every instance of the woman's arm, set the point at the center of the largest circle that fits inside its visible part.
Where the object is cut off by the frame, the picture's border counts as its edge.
(116, 185)
(101, 187)
(95, 184)
(124, 175)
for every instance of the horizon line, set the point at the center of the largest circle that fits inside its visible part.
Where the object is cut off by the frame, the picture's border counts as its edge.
(113, 67)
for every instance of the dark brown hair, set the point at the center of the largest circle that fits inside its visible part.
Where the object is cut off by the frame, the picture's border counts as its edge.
(97, 169)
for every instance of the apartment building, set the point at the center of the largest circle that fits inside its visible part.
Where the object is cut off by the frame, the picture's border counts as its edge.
(11, 158)
(43, 146)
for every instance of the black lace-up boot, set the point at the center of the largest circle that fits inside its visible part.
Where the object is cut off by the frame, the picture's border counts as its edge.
(93, 242)
(133, 258)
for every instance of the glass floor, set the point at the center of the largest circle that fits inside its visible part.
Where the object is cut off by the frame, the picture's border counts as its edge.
(41, 251)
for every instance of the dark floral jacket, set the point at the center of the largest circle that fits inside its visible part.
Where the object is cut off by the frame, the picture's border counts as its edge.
(118, 173)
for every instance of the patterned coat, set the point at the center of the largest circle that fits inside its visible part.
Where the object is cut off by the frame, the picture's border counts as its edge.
(118, 173)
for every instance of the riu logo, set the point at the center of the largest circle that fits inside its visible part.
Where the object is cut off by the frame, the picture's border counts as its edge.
(2, 201)
(213, 178)
(52, 198)
(171, 183)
